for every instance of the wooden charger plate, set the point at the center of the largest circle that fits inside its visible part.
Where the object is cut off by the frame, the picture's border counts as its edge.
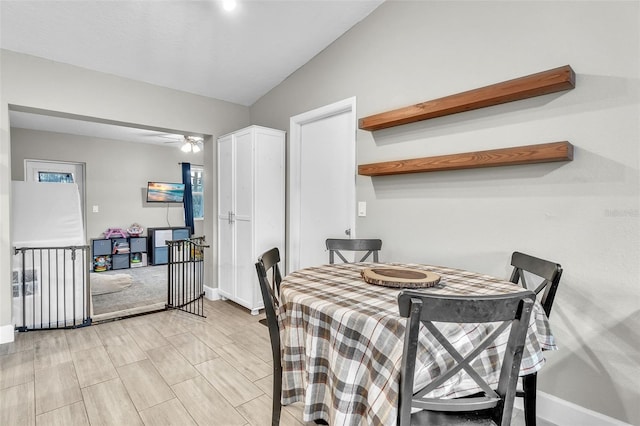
(399, 277)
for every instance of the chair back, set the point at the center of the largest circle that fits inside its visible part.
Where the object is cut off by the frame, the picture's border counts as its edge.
(550, 272)
(266, 266)
(507, 310)
(370, 246)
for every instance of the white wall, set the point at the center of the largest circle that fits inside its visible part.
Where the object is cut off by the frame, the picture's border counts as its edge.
(117, 173)
(583, 214)
(32, 82)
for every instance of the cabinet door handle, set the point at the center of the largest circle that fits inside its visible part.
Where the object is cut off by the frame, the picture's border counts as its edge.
(232, 217)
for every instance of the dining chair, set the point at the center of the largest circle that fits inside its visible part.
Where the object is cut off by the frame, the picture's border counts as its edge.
(550, 274)
(370, 246)
(488, 407)
(270, 288)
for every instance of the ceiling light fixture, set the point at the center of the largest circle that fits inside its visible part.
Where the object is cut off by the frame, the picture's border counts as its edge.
(229, 5)
(191, 144)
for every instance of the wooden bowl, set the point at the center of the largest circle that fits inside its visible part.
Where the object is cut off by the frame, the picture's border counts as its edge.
(388, 276)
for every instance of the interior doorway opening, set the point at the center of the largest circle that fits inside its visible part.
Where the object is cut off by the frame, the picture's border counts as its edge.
(152, 294)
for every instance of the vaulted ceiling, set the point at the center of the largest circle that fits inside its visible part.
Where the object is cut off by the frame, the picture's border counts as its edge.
(189, 45)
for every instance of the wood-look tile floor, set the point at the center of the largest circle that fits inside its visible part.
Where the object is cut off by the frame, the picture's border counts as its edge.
(167, 368)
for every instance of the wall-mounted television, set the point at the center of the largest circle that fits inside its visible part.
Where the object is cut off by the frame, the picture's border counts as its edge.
(165, 192)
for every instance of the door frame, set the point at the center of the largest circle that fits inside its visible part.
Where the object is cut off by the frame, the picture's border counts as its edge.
(295, 151)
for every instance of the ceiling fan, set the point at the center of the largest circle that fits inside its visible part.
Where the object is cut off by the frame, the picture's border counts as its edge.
(191, 144)
(186, 143)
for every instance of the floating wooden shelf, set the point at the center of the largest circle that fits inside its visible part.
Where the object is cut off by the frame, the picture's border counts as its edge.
(542, 83)
(542, 153)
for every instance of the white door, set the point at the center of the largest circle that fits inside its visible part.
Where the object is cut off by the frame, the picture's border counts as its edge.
(322, 172)
(243, 219)
(58, 172)
(235, 215)
(226, 243)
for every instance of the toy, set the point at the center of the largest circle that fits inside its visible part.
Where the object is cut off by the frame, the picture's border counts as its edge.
(100, 263)
(135, 230)
(115, 232)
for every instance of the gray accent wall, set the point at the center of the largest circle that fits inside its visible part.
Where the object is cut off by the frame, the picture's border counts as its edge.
(583, 214)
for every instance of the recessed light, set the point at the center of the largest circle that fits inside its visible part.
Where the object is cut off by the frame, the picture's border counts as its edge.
(229, 5)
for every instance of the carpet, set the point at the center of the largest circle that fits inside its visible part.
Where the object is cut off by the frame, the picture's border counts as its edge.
(112, 283)
(148, 286)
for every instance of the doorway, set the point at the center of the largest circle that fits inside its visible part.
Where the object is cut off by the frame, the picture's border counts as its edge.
(322, 172)
(59, 172)
(120, 291)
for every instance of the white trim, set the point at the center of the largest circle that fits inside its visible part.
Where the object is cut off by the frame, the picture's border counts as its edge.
(565, 413)
(295, 124)
(7, 333)
(211, 293)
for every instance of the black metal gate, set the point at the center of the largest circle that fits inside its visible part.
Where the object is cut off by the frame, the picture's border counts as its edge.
(50, 288)
(186, 275)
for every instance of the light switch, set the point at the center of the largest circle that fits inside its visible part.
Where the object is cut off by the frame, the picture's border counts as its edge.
(96, 209)
(362, 208)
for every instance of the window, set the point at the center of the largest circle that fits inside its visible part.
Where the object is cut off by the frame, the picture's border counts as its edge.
(197, 192)
(58, 177)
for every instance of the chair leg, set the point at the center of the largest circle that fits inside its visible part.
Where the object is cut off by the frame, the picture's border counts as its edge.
(276, 396)
(529, 386)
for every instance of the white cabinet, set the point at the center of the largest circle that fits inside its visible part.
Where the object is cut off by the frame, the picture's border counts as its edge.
(251, 209)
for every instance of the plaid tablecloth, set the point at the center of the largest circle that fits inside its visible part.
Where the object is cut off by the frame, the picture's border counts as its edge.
(342, 342)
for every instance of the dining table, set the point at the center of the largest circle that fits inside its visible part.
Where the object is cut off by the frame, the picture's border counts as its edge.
(342, 341)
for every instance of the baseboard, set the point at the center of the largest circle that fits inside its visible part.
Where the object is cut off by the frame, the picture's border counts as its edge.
(565, 413)
(211, 293)
(129, 312)
(7, 333)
